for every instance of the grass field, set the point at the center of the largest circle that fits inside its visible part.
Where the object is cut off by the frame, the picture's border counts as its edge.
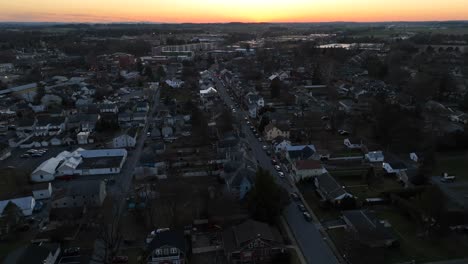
(413, 246)
(454, 164)
(421, 248)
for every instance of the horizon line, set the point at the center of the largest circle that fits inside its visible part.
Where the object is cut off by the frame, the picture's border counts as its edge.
(229, 22)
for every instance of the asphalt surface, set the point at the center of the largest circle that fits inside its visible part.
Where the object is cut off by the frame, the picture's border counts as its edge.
(311, 242)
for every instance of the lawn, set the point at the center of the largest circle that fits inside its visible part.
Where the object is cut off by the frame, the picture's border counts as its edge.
(420, 248)
(181, 95)
(454, 164)
(412, 245)
(313, 200)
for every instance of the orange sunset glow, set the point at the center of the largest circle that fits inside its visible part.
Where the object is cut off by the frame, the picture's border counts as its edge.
(226, 11)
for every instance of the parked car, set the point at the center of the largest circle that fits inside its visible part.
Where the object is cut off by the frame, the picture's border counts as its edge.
(343, 132)
(281, 174)
(73, 251)
(301, 207)
(265, 147)
(294, 196)
(274, 162)
(38, 154)
(277, 167)
(25, 155)
(307, 216)
(268, 153)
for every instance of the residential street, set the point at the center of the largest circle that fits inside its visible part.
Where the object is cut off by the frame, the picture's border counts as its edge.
(310, 240)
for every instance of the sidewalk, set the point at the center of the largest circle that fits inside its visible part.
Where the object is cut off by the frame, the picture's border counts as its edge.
(293, 241)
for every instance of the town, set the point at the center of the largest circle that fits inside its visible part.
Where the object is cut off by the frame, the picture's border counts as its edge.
(234, 143)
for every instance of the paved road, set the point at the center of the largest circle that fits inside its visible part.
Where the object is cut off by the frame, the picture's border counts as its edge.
(310, 240)
(123, 181)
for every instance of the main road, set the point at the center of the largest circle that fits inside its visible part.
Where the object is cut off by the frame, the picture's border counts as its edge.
(312, 243)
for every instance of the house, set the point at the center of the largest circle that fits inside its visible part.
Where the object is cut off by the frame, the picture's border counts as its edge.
(43, 253)
(79, 194)
(5, 151)
(167, 247)
(108, 108)
(330, 190)
(306, 169)
(252, 242)
(45, 172)
(84, 122)
(49, 125)
(375, 156)
(139, 119)
(128, 139)
(101, 161)
(25, 204)
(253, 110)
(394, 167)
(42, 191)
(368, 229)
(25, 126)
(417, 156)
(273, 131)
(301, 152)
(282, 145)
(346, 105)
(125, 119)
(175, 83)
(353, 143)
(167, 131)
(239, 182)
(142, 107)
(83, 138)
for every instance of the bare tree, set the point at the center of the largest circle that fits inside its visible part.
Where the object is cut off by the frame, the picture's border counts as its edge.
(109, 236)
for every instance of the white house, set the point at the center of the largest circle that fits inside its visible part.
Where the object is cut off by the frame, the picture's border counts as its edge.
(416, 157)
(126, 140)
(83, 138)
(42, 191)
(394, 167)
(304, 169)
(282, 146)
(375, 156)
(175, 83)
(353, 143)
(101, 161)
(46, 171)
(25, 204)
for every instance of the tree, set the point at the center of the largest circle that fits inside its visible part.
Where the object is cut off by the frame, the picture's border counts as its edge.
(39, 94)
(3, 85)
(317, 76)
(109, 235)
(225, 121)
(12, 216)
(275, 88)
(161, 73)
(266, 199)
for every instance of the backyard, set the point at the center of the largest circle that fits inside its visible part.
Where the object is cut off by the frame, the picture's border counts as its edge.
(452, 163)
(413, 245)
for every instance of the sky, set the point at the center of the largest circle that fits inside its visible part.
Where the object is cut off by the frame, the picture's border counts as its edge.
(202, 11)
